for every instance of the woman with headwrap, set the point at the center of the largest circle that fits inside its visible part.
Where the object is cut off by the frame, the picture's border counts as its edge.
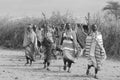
(30, 44)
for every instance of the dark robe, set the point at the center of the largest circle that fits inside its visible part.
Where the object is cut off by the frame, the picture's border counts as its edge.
(48, 49)
(81, 37)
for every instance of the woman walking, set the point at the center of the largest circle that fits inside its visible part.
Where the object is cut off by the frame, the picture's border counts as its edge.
(48, 45)
(30, 44)
(94, 50)
(69, 45)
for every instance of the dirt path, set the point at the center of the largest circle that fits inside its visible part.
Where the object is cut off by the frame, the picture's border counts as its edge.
(12, 68)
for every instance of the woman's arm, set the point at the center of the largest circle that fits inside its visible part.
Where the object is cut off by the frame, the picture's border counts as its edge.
(75, 40)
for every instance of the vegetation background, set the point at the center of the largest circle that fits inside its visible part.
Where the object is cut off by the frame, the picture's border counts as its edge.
(12, 31)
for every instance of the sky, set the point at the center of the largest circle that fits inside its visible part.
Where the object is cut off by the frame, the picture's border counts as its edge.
(21, 8)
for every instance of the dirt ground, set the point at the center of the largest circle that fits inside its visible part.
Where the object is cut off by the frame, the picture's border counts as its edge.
(12, 68)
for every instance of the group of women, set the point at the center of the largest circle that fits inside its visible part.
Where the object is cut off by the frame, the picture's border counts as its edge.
(68, 42)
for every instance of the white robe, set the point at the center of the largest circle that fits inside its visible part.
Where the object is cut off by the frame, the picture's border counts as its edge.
(30, 43)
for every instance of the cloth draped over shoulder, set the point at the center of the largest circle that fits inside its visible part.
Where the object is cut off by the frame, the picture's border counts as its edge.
(50, 36)
(39, 34)
(48, 44)
(81, 37)
(69, 44)
(94, 48)
(30, 43)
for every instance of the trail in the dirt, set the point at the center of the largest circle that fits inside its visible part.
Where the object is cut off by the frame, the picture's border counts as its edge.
(12, 68)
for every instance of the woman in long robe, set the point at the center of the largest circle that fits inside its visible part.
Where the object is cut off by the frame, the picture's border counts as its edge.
(30, 44)
(94, 50)
(47, 43)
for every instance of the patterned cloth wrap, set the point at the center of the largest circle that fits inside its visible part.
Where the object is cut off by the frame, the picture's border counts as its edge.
(94, 50)
(68, 47)
(30, 44)
(48, 47)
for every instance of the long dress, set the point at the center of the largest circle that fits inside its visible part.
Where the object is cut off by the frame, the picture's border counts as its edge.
(94, 50)
(68, 46)
(30, 44)
(48, 45)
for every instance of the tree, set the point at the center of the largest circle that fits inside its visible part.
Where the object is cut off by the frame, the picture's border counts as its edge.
(112, 32)
(113, 8)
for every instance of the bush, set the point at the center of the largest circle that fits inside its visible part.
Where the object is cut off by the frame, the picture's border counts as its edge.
(12, 32)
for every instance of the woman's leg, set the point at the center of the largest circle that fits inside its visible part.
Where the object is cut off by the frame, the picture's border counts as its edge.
(96, 71)
(97, 68)
(69, 65)
(91, 62)
(48, 64)
(31, 62)
(27, 60)
(45, 61)
(65, 62)
(88, 69)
